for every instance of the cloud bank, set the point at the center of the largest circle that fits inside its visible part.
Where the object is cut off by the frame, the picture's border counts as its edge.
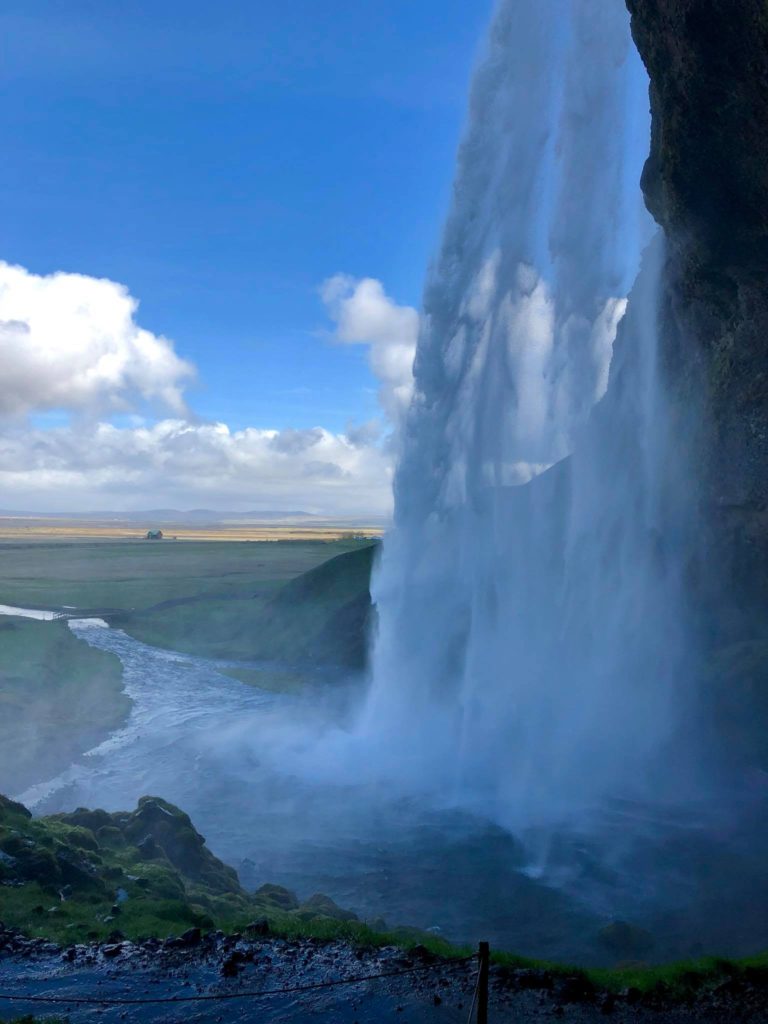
(180, 464)
(71, 344)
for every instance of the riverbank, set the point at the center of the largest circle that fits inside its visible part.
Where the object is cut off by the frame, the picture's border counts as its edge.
(59, 696)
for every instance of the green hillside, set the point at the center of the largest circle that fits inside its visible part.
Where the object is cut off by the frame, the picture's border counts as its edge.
(58, 697)
(321, 617)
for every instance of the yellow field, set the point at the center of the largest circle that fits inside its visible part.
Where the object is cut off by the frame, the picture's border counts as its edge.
(12, 529)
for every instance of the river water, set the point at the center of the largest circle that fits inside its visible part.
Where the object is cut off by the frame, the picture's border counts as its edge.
(233, 757)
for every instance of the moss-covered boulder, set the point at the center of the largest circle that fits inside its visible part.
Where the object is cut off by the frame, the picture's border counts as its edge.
(174, 837)
(277, 896)
(320, 905)
(144, 872)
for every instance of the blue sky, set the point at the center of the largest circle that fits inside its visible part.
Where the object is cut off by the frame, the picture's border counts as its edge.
(222, 161)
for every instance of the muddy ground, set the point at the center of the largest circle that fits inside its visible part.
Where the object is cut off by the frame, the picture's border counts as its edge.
(419, 988)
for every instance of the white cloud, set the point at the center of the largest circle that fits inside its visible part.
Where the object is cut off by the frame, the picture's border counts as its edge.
(365, 315)
(70, 342)
(182, 464)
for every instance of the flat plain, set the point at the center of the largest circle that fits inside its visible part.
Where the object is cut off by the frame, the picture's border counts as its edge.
(104, 573)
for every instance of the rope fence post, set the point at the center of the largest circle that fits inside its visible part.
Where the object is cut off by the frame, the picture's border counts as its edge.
(484, 958)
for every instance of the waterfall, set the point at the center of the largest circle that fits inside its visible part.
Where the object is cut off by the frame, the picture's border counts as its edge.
(532, 652)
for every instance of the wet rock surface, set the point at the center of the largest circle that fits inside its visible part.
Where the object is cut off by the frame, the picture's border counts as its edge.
(706, 183)
(416, 985)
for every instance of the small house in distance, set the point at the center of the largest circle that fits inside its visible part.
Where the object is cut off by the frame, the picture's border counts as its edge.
(154, 535)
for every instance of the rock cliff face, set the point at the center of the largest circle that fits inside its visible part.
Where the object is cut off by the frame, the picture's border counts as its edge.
(706, 183)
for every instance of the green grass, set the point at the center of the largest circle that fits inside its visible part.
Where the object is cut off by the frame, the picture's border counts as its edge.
(58, 697)
(281, 600)
(684, 977)
(135, 575)
(321, 616)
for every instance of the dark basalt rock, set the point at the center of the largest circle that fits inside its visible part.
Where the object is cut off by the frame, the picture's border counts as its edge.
(77, 871)
(258, 928)
(707, 175)
(706, 183)
(11, 807)
(576, 989)
(92, 820)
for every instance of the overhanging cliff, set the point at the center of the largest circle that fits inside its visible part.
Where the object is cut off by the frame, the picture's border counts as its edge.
(706, 183)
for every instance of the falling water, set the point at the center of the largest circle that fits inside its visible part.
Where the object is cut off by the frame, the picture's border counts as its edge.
(532, 650)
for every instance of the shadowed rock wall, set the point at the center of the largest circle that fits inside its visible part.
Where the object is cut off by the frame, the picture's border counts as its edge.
(706, 183)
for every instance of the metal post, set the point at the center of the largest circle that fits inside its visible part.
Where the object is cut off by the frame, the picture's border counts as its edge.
(484, 958)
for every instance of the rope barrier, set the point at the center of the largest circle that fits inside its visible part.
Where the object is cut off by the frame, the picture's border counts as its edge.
(474, 999)
(212, 997)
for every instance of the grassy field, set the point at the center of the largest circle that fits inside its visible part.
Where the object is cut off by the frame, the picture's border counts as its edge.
(58, 697)
(133, 575)
(279, 600)
(320, 617)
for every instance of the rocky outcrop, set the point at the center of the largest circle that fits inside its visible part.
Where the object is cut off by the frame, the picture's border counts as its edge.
(706, 183)
(91, 874)
(706, 180)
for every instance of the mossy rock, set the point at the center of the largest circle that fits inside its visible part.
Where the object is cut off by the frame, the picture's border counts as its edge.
(82, 817)
(162, 881)
(82, 838)
(110, 836)
(278, 897)
(32, 862)
(181, 885)
(77, 870)
(10, 809)
(172, 832)
(321, 905)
